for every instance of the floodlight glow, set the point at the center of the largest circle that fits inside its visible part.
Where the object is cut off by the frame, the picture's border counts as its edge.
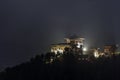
(79, 44)
(96, 54)
(84, 49)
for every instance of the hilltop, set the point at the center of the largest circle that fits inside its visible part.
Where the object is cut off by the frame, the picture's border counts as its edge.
(65, 67)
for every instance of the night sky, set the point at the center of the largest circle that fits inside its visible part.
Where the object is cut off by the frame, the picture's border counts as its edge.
(28, 27)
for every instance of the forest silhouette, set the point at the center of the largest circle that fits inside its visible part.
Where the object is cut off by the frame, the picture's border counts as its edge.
(66, 66)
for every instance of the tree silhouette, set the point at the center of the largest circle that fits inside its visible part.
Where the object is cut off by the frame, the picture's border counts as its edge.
(65, 67)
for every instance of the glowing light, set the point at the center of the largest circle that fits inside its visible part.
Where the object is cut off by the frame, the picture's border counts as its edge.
(96, 54)
(60, 51)
(55, 51)
(84, 49)
(79, 44)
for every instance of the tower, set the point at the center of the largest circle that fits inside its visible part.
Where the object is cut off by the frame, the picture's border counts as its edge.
(76, 43)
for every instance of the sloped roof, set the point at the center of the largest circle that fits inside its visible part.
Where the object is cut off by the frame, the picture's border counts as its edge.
(61, 44)
(73, 37)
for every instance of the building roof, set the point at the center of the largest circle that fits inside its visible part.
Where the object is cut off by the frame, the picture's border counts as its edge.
(74, 37)
(61, 44)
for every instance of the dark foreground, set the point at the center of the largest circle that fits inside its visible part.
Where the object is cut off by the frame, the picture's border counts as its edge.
(66, 68)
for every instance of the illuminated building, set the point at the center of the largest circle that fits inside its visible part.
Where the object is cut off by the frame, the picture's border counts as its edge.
(95, 52)
(74, 43)
(110, 49)
(59, 48)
